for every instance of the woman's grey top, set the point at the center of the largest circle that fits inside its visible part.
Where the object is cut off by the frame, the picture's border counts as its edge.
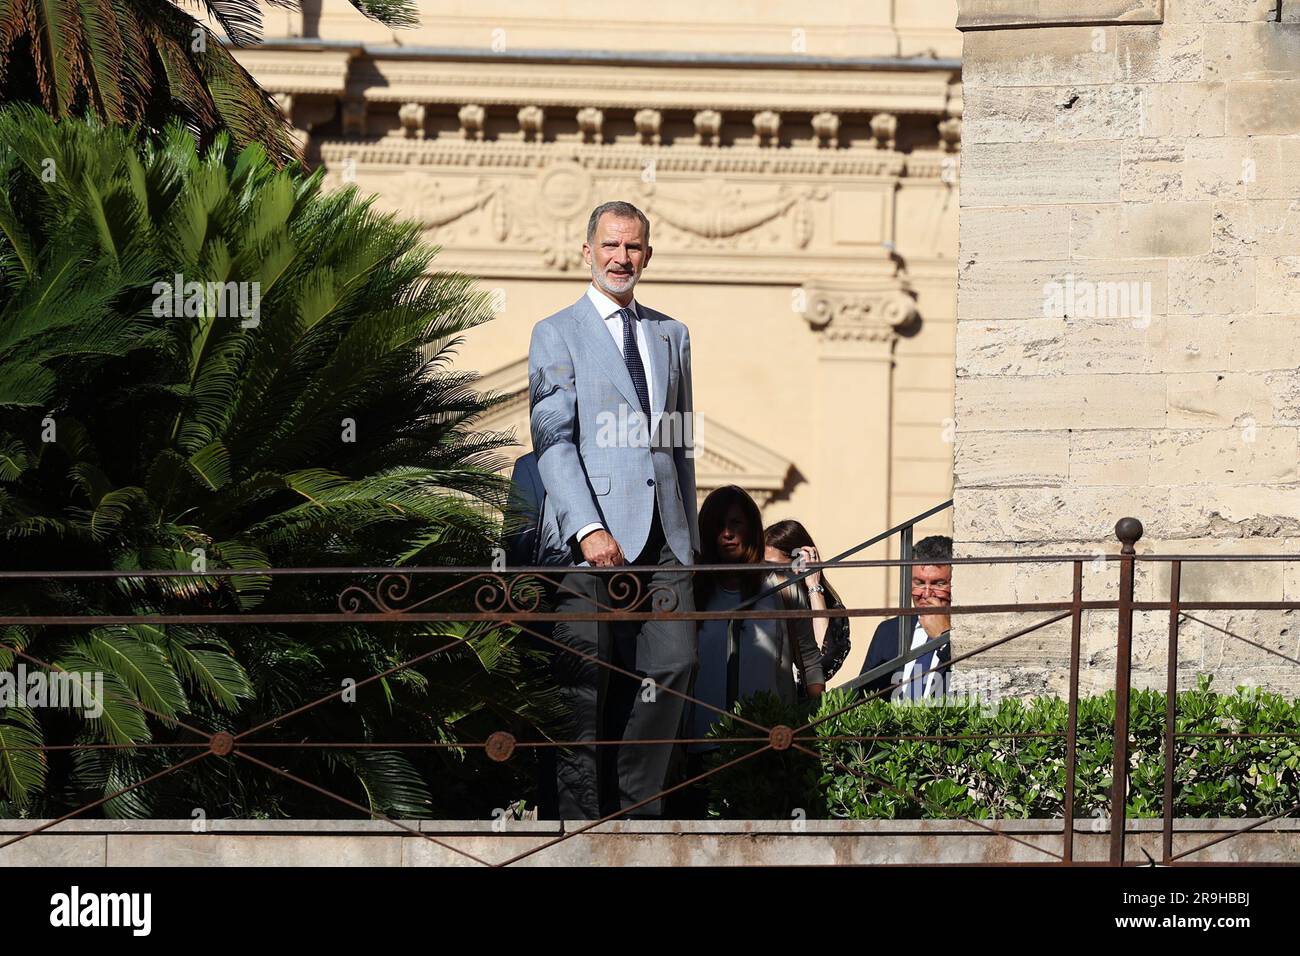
(767, 656)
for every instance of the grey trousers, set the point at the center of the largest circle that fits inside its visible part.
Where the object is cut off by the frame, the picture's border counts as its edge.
(597, 781)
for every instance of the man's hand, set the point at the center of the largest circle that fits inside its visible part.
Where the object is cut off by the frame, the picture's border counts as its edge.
(936, 624)
(816, 690)
(601, 550)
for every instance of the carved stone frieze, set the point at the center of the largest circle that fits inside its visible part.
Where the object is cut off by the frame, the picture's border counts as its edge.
(563, 201)
(428, 201)
(511, 208)
(716, 210)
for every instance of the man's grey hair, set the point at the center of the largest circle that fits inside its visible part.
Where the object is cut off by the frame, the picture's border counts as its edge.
(624, 210)
(936, 549)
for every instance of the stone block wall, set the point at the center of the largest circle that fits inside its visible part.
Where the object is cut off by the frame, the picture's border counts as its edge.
(1128, 335)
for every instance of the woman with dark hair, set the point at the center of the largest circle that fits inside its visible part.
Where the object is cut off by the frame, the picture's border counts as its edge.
(768, 652)
(784, 541)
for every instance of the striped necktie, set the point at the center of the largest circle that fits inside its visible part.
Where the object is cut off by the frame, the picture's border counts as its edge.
(632, 358)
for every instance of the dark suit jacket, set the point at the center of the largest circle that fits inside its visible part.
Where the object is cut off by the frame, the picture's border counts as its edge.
(884, 648)
(532, 536)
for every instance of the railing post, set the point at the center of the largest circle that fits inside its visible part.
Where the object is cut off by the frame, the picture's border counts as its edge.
(904, 589)
(1171, 706)
(1072, 725)
(1128, 530)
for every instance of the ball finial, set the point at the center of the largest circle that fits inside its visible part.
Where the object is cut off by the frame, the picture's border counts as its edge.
(1128, 530)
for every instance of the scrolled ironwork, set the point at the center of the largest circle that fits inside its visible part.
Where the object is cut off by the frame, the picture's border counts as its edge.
(492, 595)
(663, 598)
(625, 589)
(391, 590)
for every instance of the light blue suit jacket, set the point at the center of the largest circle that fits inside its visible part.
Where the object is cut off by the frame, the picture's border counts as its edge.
(593, 469)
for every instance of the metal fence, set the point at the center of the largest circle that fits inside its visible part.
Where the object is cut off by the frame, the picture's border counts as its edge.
(383, 596)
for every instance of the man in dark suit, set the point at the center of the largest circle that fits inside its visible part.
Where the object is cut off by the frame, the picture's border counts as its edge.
(533, 539)
(532, 536)
(928, 675)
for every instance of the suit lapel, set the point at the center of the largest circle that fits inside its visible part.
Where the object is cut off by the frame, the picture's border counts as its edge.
(659, 362)
(592, 331)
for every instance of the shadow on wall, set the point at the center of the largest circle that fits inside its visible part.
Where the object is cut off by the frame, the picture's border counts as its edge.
(311, 18)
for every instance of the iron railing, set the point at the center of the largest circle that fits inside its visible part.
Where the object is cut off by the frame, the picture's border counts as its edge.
(382, 596)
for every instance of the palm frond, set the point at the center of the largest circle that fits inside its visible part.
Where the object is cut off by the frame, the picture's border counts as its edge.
(335, 432)
(22, 765)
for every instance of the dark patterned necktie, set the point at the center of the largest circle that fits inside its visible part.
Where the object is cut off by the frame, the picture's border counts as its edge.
(632, 358)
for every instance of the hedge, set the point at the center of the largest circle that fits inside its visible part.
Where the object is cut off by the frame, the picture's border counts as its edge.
(995, 775)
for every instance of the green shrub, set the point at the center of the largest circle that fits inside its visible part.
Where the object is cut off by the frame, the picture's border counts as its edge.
(773, 784)
(988, 776)
(332, 432)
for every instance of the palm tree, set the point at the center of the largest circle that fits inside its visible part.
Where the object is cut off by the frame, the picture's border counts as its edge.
(326, 429)
(147, 61)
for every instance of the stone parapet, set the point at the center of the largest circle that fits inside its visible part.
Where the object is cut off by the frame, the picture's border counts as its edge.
(154, 843)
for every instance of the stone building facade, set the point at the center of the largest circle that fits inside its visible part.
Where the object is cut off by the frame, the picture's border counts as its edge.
(1129, 303)
(799, 163)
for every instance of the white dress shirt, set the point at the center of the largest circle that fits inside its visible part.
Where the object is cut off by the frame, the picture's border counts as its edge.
(919, 637)
(608, 309)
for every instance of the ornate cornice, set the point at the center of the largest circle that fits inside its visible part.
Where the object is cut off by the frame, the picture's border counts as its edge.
(627, 157)
(750, 211)
(725, 268)
(320, 72)
(379, 78)
(930, 165)
(389, 81)
(1004, 14)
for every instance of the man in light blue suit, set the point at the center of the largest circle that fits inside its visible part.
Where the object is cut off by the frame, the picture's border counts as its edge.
(613, 428)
